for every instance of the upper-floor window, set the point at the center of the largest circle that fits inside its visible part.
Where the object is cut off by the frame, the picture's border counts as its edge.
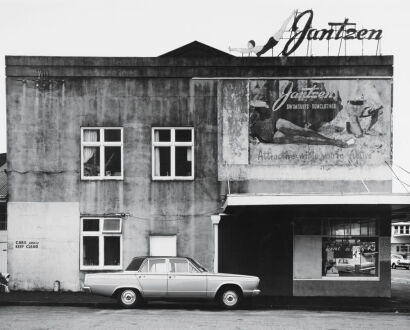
(172, 153)
(401, 230)
(101, 153)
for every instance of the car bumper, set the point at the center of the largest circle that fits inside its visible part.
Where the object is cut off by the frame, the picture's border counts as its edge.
(86, 289)
(256, 292)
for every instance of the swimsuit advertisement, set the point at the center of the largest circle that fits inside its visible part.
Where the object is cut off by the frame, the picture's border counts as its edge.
(320, 122)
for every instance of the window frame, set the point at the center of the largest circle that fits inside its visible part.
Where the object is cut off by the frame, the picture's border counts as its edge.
(323, 234)
(102, 144)
(100, 234)
(172, 144)
(190, 265)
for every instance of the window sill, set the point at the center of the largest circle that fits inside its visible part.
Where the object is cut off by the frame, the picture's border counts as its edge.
(106, 178)
(170, 178)
(101, 268)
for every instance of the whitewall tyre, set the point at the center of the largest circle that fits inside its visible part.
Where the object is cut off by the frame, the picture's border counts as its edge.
(230, 298)
(128, 298)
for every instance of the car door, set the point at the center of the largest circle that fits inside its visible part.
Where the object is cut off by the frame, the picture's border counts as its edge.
(185, 280)
(153, 277)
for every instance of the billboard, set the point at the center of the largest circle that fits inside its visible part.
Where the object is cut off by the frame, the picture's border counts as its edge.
(320, 122)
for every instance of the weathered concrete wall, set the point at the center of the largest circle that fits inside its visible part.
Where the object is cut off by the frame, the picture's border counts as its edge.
(53, 228)
(138, 93)
(44, 163)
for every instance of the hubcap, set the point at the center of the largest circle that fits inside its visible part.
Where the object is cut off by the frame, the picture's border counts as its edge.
(230, 298)
(128, 297)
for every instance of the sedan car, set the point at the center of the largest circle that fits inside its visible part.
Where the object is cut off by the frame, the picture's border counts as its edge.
(171, 278)
(397, 260)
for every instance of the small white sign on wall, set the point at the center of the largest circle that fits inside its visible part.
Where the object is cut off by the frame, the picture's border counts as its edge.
(163, 245)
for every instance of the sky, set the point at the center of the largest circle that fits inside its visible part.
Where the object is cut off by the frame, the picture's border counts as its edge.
(152, 27)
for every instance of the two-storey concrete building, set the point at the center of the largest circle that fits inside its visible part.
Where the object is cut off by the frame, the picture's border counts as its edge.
(277, 167)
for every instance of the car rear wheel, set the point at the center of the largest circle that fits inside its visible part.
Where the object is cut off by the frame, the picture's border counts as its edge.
(128, 298)
(393, 266)
(230, 298)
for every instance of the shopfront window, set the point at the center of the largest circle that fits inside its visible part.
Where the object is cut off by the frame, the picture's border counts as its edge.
(349, 257)
(349, 248)
(336, 248)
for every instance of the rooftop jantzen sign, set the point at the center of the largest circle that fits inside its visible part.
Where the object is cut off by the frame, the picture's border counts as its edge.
(341, 31)
(301, 30)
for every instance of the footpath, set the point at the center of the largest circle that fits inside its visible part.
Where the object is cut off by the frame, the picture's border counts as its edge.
(400, 302)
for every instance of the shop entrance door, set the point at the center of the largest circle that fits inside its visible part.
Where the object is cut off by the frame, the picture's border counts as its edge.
(258, 245)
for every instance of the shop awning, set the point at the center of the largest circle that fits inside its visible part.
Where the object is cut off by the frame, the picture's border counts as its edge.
(400, 200)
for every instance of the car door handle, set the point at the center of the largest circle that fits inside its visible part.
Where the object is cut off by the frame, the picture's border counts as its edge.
(141, 276)
(171, 276)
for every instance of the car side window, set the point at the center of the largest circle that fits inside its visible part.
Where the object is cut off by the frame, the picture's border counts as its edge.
(181, 266)
(144, 267)
(157, 266)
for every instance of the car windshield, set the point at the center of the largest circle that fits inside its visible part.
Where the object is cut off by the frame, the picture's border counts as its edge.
(201, 268)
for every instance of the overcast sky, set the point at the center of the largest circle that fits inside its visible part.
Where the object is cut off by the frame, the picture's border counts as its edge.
(152, 27)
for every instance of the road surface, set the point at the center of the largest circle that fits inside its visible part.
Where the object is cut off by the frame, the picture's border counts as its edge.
(94, 318)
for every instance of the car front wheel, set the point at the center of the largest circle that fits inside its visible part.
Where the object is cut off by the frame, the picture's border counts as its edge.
(393, 266)
(128, 298)
(230, 298)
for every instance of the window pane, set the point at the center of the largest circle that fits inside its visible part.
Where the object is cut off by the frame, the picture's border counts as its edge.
(111, 250)
(112, 135)
(112, 161)
(144, 268)
(91, 225)
(162, 135)
(91, 135)
(112, 225)
(157, 266)
(183, 161)
(136, 263)
(90, 251)
(349, 257)
(183, 135)
(355, 229)
(91, 161)
(162, 159)
(179, 266)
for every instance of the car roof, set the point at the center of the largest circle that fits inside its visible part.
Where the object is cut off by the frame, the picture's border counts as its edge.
(155, 257)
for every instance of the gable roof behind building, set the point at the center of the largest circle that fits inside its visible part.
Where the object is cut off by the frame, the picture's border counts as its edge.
(196, 49)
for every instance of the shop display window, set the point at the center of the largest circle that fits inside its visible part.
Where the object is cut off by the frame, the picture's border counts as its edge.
(332, 248)
(349, 257)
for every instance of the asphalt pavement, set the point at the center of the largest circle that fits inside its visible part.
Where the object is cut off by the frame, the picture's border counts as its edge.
(41, 317)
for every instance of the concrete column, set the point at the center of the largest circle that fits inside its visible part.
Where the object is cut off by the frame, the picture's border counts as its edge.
(215, 223)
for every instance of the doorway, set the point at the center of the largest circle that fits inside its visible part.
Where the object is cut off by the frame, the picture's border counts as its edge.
(259, 243)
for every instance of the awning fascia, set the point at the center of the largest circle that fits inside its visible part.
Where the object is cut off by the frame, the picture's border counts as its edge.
(315, 199)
